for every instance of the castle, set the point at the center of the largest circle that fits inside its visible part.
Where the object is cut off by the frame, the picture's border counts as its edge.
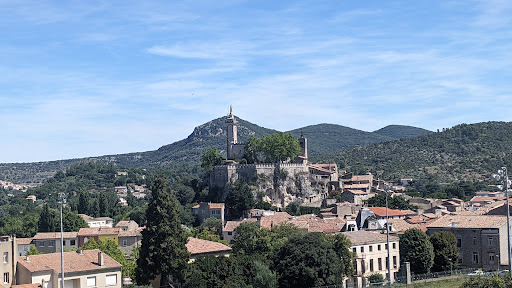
(279, 183)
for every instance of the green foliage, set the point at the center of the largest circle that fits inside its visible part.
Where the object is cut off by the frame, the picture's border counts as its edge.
(272, 148)
(416, 248)
(395, 202)
(48, 220)
(341, 246)
(239, 199)
(33, 251)
(446, 253)
(375, 278)
(163, 250)
(481, 281)
(72, 222)
(307, 261)
(108, 247)
(210, 159)
(215, 272)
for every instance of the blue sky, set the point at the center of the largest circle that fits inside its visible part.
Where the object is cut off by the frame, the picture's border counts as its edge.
(91, 78)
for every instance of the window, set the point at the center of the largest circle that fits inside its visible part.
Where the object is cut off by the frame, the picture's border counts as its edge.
(6, 277)
(394, 261)
(491, 258)
(362, 249)
(459, 242)
(230, 233)
(387, 262)
(215, 212)
(474, 240)
(125, 243)
(489, 241)
(72, 242)
(354, 250)
(6, 257)
(371, 265)
(380, 263)
(475, 257)
(394, 245)
(386, 246)
(370, 248)
(40, 243)
(51, 243)
(378, 247)
(111, 279)
(91, 281)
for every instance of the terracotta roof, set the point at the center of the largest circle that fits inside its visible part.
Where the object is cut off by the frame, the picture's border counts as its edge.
(231, 225)
(124, 223)
(381, 212)
(215, 205)
(362, 177)
(199, 246)
(73, 262)
(24, 241)
(195, 206)
(356, 186)
(131, 233)
(102, 218)
(367, 237)
(54, 235)
(469, 221)
(276, 219)
(98, 231)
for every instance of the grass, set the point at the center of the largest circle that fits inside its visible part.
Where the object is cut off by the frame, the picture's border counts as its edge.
(444, 283)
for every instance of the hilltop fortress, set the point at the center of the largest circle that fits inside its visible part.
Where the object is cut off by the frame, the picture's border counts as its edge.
(276, 183)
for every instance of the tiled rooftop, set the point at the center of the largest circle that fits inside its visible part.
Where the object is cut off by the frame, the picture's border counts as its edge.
(24, 241)
(469, 221)
(367, 237)
(98, 231)
(381, 212)
(73, 262)
(54, 235)
(199, 246)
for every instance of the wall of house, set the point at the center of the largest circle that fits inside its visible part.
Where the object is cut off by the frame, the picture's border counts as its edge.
(363, 259)
(131, 241)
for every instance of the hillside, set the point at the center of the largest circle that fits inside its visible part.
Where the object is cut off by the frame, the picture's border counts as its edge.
(323, 139)
(402, 131)
(464, 152)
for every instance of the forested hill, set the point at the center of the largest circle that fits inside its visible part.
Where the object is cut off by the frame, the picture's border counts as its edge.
(402, 131)
(322, 138)
(464, 152)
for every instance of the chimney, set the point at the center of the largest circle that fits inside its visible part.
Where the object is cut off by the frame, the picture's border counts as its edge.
(80, 251)
(101, 261)
(27, 259)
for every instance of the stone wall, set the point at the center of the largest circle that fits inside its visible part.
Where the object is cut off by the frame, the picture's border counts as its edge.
(279, 183)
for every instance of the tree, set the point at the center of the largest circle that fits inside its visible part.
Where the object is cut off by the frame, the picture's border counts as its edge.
(307, 261)
(375, 278)
(72, 222)
(395, 202)
(342, 249)
(416, 248)
(163, 251)
(33, 251)
(279, 147)
(83, 202)
(47, 220)
(239, 199)
(250, 240)
(210, 159)
(486, 282)
(446, 252)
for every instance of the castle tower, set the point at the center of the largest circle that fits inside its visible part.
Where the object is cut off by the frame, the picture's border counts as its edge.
(232, 138)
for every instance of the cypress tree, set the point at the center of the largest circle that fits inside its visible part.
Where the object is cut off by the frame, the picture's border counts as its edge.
(47, 220)
(163, 250)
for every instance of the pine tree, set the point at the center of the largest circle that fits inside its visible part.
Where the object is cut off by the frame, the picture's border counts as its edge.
(83, 203)
(163, 250)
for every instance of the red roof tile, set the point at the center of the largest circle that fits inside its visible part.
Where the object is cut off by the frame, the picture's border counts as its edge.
(381, 212)
(199, 246)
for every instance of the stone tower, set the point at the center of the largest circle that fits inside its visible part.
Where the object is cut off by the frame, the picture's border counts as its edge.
(232, 138)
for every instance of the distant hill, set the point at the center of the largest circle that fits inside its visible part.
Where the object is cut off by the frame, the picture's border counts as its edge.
(402, 131)
(323, 139)
(465, 152)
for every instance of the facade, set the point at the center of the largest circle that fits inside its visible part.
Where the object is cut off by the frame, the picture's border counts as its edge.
(97, 234)
(205, 210)
(23, 245)
(8, 251)
(49, 242)
(98, 222)
(128, 239)
(481, 239)
(371, 253)
(126, 225)
(90, 268)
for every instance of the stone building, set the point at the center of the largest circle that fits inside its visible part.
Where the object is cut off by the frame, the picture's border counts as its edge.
(205, 210)
(8, 250)
(482, 239)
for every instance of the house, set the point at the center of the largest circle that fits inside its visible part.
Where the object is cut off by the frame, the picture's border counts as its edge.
(23, 245)
(405, 181)
(380, 213)
(101, 233)
(482, 239)
(198, 247)
(344, 210)
(121, 189)
(9, 252)
(356, 195)
(205, 210)
(31, 198)
(49, 242)
(128, 239)
(98, 222)
(371, 255)
(89, 268)
(228, 232)
(126, 225)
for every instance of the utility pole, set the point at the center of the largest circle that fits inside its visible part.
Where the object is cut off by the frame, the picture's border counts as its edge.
(62, 200)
